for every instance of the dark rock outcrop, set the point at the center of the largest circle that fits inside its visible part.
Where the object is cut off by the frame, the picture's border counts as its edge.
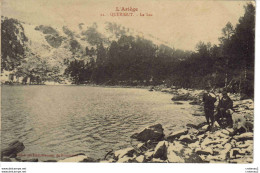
(153, 133)
(12, 149)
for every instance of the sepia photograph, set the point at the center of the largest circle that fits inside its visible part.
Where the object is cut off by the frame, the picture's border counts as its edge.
(128, 81)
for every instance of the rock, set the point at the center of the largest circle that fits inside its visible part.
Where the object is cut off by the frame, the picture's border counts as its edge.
(195, 102)
(199, 126)
(231, 130)
(12, 149)
(177, 134)
(234, 152)
(182, 97)
(160, 150)
(124, 152)
(205, 151)
(249, 149)
(206, 142)
(246, 144)
(201, 132)
(125, 159)
(151, 144)
(249, 160)
(78, 158)
(211, 158)
(221, 135)
(205, 127)
(157, 160)
(187, 139)
(140, 159)
(154, 133)
(176, 146)
(225, 132)
(178, 103)
(172, 157)
(187, 152)
(148, 155)
(194, 158)
(142, 146)
(198, 113)
(194, 145)
(166, 90)
(227, 148)
(244, 136)
(192, 126)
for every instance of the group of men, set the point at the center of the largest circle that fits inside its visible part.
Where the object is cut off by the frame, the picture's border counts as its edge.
(223, 113)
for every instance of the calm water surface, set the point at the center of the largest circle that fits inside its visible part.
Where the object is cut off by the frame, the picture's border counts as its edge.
(81, 119)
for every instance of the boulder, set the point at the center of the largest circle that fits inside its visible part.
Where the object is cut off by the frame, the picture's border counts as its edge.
(160, 150)
(148, 155)
(246, 144)
(182, 97)
(192, 126)
(177, 134)
(178, 103)
(244, 136)
(157, 160)
(205, 151)
(206, 142)
(225, 132)
(220, 134)
(211, 158)
(187, 152)
(142, 147)
(12, 149)
(194, 145)
(124, 152)
(154, 133)
(205, 127)
(176, 146)
(194, 158)
(199, 126)
(195, 102)
(187, 139)
(198, 113)
(172, 157)
(227, 148)
(234, 152)
(140, 159)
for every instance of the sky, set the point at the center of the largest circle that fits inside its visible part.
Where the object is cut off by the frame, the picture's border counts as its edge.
(180, 23)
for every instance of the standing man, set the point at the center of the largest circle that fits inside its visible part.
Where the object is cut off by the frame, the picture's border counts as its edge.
(224, 108)
(209, 99)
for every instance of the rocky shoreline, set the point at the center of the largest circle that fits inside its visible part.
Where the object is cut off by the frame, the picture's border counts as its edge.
(193, 144)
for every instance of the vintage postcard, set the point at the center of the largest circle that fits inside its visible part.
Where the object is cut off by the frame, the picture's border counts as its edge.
(127, 81)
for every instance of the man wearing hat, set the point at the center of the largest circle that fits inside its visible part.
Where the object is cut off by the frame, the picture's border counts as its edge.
(224, 108)
(209, 99)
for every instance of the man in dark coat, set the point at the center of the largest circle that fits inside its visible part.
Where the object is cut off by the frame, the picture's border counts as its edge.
(209, 99)
(224, 108)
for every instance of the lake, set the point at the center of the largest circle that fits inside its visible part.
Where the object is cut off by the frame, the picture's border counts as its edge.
(66, 120)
